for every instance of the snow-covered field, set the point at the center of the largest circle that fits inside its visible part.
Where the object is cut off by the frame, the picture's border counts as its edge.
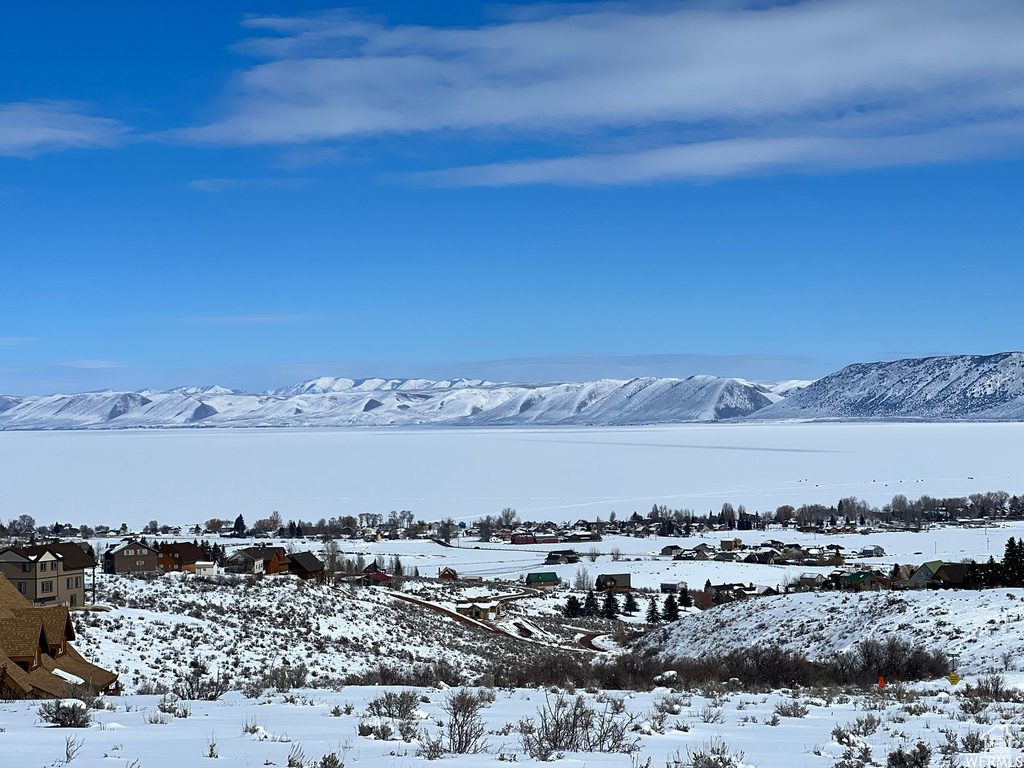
(180, 476)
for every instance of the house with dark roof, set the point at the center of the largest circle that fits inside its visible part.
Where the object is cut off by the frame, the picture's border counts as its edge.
(306, 566)
(49, 574)
(562, 557)
(130, 556)
(36, 658)
(614, 582)
(258, 561)
(178, 557)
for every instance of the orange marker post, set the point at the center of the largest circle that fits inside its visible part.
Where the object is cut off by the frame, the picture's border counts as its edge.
(881, 682)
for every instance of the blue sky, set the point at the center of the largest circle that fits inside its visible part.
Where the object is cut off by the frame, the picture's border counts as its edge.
(251, 193)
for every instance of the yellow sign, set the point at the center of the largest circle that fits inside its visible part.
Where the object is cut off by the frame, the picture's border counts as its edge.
(953, 678)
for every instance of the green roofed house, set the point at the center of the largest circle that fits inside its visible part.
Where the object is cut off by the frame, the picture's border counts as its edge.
(546, 580)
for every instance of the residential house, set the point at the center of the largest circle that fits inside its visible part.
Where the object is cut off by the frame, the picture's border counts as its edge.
(951, 575)
(613, 582)
(673, 587)
(447, 573)
(545, 580)
(480, 611)
(36, 657)
(810, 582)
(258, 561)
(872, 551)
(866, 581)
(306, 566)
(562, 557)
(729, 545)
(671, 550)
(206, 568)
(130, 556)
(178, 557)
(48, 574)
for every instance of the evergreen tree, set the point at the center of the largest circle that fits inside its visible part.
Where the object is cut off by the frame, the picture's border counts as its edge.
(707, 585)
(573, 607)
(239, 526)
(653, 614)
(671, 610)
(630, 607)
(396, 567)
(590, 605)
(685, 601)
(610, 609)
(1013, 563)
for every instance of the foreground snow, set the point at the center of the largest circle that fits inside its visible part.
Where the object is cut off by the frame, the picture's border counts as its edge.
(266, 730)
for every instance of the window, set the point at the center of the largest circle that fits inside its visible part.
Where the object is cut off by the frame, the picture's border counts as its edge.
(26, 567)
(140, 562)
(78, 581)
(21, 587)
(129, 552)
(70, 583)
(46, 586)
(74, 599)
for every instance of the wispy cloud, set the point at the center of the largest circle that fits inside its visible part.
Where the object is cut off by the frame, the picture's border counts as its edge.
(10, 341)
(33, 127)
(697, 90)
(93, 364)
(251, 319)
(224, 185)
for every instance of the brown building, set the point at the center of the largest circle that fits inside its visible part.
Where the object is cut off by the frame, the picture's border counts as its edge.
(36, 657)
(306, 566)
(130, 556)
(48, 574)
(258, 560)
(178, 558)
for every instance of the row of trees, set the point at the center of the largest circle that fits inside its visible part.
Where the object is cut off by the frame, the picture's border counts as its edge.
(609, 607)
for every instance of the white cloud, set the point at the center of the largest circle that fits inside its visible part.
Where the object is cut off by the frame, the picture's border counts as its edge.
(10, 341)
(709, 90)
(92, 364)
(224, 185)
(30, 128)
(251, 319)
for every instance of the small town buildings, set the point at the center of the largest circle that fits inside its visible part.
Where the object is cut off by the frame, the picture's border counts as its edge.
(547, 580)
(130, 556)
(614, 582)
(178, 557)
(49, 574)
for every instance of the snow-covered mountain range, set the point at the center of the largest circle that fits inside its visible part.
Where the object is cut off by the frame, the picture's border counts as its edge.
(934, 388)
(340, 402)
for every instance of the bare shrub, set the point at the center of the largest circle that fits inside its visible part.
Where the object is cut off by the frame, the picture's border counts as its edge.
(791, 709)
(918, 757)
(199, 684)
(65, 713)
(566, 724)
(714, 754)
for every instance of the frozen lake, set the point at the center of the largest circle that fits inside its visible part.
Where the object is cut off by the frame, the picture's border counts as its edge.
(186, 476)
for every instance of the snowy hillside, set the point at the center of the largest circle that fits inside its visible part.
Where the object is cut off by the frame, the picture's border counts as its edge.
(955, 387)
(978, 626)
(395, 402)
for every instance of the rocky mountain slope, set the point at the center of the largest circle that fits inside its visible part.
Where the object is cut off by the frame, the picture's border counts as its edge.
(933, 388)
